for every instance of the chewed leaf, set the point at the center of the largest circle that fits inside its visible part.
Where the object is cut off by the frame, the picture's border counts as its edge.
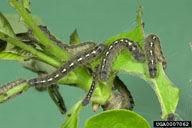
(167, 94)
(74, 38)
(11, 56)
(117, 119)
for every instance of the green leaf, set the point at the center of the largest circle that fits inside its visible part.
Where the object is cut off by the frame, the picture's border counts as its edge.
(5, 27)
(117, 119)
(72, 117)
(74, 38)
(11, 56)
(167, 94)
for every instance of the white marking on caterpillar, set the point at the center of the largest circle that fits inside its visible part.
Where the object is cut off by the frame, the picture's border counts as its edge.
(107, 53)
(130, 43)
(57, 75)
(50, 79)
(79, 59)
(93, 52)
(71, 64)
(87, 55)
(111, 46)
(64, 70)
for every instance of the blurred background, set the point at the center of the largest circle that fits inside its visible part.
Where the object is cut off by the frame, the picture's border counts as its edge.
(98, 21)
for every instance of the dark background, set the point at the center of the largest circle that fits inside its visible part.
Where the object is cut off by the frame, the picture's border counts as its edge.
(97, 21)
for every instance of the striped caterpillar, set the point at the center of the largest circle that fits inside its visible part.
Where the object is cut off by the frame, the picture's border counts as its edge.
(113, 50)
(7, 87)
(127, 99)
(93, 86)
(69, 66)
(153, 54)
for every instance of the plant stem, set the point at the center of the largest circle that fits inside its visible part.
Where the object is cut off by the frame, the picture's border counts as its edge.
(38, 33)
(39, 54)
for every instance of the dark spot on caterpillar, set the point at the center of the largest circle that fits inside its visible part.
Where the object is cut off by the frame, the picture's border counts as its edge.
(69, 66)
(113, 50)
(93, 86)
(68, 115)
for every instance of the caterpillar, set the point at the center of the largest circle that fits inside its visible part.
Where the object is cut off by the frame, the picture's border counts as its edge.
(7, 87)
(153, 54)
(71, 49)
(127, 99)
(113, 50)
(56, 97)
(93, 86)
(69, 66)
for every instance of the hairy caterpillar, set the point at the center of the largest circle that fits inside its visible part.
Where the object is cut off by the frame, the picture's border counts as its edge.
(69, 66)
(93, 86)
(127, 101)
(153, 54)
(113, 50)
(7, 87)
(57, 98)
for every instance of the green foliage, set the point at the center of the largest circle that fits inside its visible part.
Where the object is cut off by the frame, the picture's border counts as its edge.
(74, 38)
(117, 119)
